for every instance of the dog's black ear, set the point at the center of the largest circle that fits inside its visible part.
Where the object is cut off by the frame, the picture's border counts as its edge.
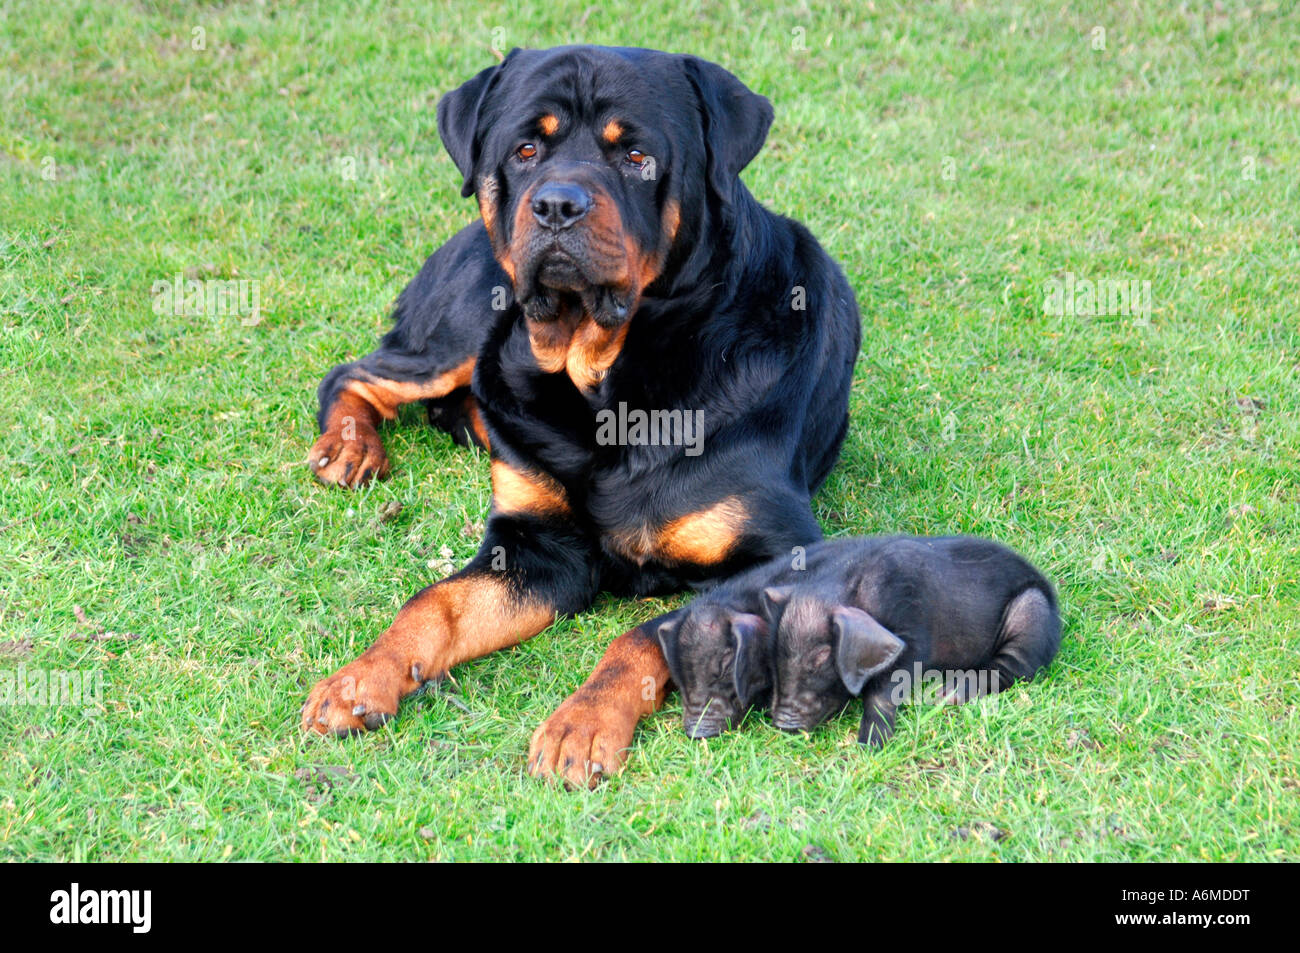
(748, 633)
(458, 114)
(863, 647)
(666, 630)
(736, 121)
(774, 600)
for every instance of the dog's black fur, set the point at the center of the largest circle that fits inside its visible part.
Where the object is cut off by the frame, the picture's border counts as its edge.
(861, 611)
(715, 331)
(727, 309)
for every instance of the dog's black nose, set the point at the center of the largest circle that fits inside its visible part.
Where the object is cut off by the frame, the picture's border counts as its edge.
(560, 204)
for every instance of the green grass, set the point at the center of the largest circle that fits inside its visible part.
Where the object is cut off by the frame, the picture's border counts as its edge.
(954, 158)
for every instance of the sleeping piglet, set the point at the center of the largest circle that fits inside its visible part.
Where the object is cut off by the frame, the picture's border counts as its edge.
(716, 648)
(962, 613)
(717, 655)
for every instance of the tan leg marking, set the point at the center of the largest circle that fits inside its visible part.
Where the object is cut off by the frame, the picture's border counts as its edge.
(519, 491)
(476, 422)
(350, 452)
(707, 537)
(451, 622)
(386, 396)
(589, 735)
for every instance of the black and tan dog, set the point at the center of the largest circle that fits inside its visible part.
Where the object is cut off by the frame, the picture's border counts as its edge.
(620, 268)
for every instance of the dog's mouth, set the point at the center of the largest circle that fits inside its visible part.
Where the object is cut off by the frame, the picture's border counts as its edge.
(558, 271)
(588, 264)
(558, 282)
(578, 285)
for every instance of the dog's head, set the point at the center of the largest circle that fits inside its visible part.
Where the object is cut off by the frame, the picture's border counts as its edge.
(591, 164)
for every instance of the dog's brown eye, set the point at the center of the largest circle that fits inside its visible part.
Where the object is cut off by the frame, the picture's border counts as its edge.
(526, 151)
(636, 156)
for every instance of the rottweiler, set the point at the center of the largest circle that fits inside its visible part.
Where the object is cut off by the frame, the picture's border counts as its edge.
(621, 288)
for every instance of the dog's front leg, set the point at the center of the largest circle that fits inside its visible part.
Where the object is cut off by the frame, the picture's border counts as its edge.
(533, 565)
(466, 615)
(588, 736)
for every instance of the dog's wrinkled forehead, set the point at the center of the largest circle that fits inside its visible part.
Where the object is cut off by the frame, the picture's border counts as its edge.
(586, 83)
(560, 92)
(683, 99)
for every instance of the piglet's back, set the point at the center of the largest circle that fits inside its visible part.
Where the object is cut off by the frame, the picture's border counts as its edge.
(947, 595)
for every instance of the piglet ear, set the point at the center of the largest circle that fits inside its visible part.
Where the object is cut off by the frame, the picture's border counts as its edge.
(748, 635)
(666, 629)
(863, 647)
(774, 600)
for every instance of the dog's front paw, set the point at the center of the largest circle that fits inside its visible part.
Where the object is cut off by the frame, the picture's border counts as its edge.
(351, 456)
(581, 743)
(360, 696)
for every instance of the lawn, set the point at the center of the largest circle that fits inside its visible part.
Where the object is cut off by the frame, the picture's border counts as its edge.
(162, 540)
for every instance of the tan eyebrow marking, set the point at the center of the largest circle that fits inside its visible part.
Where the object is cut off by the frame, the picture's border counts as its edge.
(548, 124)
(612, 132)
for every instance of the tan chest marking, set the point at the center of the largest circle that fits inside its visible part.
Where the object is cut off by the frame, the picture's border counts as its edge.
(704, 538)
(526, 491)
(585, 350)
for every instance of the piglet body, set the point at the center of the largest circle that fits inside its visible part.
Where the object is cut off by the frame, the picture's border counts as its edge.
(967, 615)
